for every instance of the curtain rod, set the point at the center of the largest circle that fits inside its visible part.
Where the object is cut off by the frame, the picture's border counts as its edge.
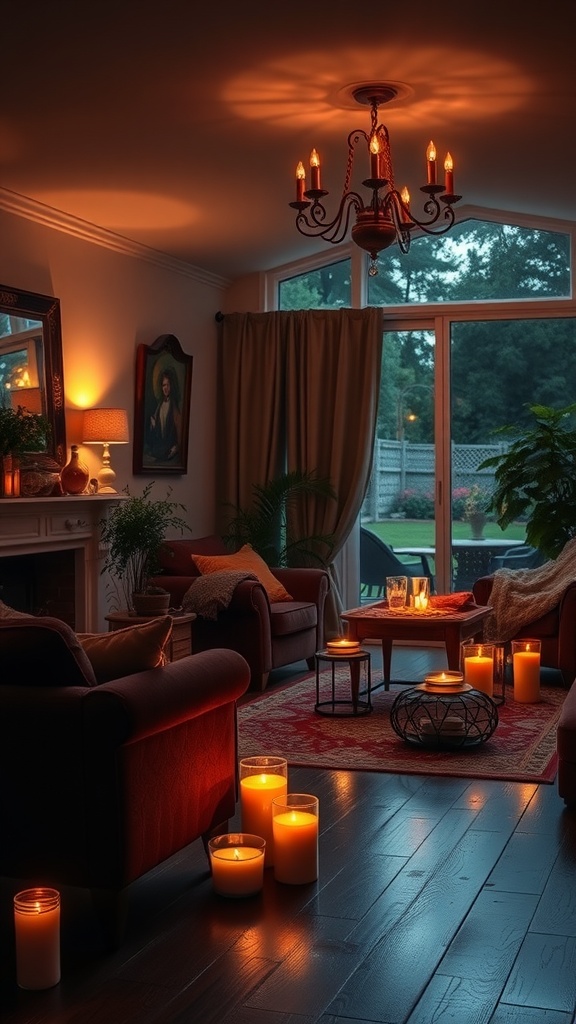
(218, 317)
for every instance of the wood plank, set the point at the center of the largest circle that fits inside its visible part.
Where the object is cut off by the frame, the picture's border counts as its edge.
(544, 974)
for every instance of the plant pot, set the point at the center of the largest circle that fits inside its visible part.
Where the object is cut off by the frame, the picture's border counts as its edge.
(477, 523)
(151, 604)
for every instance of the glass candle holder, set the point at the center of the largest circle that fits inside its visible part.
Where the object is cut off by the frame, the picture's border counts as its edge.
(37, 928)
(478, 666)
(420, 595)
(295, 825)
(396, 592)
(237, 864)
(526, 670)
(262, 778)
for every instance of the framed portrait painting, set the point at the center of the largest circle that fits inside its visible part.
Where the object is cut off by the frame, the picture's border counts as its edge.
(162, 407)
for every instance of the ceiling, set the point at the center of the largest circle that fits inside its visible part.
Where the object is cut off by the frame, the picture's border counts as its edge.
(179, 126)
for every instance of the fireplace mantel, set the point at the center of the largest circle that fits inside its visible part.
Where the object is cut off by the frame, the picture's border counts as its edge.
(31, 526)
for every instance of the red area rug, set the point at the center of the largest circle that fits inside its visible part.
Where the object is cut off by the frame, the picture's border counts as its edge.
(522, 749)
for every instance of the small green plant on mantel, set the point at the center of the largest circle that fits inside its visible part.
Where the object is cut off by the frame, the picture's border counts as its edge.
(133, 532)
(22, 432)
(266, 524)
(536, 479)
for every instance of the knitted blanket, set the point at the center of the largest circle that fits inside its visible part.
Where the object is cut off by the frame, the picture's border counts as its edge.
(209, 594)
(520, 596)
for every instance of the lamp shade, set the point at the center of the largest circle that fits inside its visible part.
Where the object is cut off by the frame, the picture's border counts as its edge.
(105, 426)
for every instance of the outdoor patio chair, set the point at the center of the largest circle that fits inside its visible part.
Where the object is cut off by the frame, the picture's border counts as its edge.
(522, 557)
(378, 560)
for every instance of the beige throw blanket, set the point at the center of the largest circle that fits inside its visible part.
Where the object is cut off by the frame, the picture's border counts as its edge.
(209, 594)
(520, 596)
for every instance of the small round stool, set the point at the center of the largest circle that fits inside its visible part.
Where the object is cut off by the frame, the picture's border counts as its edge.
(360, 702)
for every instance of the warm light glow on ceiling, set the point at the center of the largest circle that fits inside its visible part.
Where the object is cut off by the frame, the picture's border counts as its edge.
(122, 211)
(443, 86)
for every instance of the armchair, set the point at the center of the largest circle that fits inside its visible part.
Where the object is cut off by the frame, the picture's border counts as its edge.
(268, 634)
(555, 629)
(101, 783)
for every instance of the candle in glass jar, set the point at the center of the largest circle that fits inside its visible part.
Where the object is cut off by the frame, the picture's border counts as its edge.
(526, 670)
(479, 673)
(237, 863)
(295, 824)
(261, 780)
(37, 928)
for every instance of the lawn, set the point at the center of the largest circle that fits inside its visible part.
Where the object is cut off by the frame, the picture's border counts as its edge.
(404, 533)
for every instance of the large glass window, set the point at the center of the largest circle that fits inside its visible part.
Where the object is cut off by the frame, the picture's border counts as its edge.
(326, 287)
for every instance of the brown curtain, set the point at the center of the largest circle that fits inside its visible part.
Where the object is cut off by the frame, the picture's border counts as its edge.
(299, 390)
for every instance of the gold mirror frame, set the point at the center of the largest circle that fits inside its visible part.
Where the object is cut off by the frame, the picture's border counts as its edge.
(46, 309)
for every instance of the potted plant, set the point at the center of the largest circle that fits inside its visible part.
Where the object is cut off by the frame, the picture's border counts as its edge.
(536, 479)
(21, 433)
(266, 524)
(133, 533)
(476, 506)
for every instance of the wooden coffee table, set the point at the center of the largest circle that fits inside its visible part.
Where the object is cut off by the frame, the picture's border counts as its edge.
(376, 622)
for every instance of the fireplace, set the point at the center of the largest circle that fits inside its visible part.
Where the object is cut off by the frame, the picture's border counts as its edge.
(51, 557)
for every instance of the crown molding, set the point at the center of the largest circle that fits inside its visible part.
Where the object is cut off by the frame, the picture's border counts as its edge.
(47, 216)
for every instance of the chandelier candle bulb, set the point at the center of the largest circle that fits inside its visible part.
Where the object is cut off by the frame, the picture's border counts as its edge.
(262, 779)
(449, 175)
(431, 163)
(37, 928)
(295, 823)
(315, 170)
(237, 864)
(526, 670)
(300, 182)
(374, 157)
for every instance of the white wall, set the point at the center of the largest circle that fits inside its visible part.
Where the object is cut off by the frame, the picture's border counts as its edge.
(111, 301)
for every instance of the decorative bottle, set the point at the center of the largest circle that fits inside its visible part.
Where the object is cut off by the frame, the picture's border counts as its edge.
(74, 477)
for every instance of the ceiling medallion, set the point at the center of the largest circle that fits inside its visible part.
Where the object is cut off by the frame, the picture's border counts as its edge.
(387, 217)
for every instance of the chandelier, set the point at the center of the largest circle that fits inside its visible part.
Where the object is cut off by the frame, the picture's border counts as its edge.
(386, 217)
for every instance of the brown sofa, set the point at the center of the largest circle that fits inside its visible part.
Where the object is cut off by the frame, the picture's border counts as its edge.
(566, 747)
(100, 783)
(556, 630)
(269, 635)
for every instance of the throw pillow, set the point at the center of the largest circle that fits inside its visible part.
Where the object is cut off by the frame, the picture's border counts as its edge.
(248, 560)
(126, 651)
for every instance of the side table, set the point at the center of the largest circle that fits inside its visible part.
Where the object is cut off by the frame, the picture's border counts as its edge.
(460, 718)
(359, 703)
(180, 642)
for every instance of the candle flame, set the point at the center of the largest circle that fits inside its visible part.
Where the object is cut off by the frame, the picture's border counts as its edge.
(374, 144)
(431, 151)
(405, 196)
(37, 908)
(300, 172)
(314, 159)
(448, 163)
(236, 854)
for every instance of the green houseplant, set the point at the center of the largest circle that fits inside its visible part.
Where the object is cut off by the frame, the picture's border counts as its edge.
(266, 524)
(22, 432)
(536, 478)
(133, 533)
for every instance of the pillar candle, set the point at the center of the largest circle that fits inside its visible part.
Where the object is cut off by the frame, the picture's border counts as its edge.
(37, 928)
(526, 672)
(295, 825)
(257, 791)
(237, 863)
(479, 673)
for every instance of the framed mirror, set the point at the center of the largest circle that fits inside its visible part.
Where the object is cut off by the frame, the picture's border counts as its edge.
(31, 362)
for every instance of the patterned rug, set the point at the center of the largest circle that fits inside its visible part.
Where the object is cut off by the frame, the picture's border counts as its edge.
(522, 748)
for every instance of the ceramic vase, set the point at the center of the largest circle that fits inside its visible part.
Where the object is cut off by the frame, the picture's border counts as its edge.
(74, 477)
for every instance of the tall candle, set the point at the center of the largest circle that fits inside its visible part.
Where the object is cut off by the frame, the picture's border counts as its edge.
(479, 673)
(237, 863)
(526, 671)
(37, 928)
(295, 824)
(261, 780)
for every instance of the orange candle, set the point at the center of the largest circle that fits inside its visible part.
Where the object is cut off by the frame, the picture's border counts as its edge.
(261, 780)
(295, 822)
(479, 673)
(37, 927)
(449, 175)
(431, 163)
(300, 182)
(526, 670)
(315, 169)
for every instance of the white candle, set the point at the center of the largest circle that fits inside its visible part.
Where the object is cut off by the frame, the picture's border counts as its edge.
(257, 791)
(237, 862)
(295, 824)
(479, 673)
(526, 671)
(37, 927)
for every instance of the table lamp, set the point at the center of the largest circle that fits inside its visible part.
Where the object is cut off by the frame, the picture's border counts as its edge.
(106, 427)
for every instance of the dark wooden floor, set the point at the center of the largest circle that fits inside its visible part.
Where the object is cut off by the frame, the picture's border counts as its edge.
(439, 900)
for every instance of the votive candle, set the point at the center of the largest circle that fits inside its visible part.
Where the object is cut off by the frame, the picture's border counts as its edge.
(295, 824)
(262, 778)
(37, 928)
(237, 863)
